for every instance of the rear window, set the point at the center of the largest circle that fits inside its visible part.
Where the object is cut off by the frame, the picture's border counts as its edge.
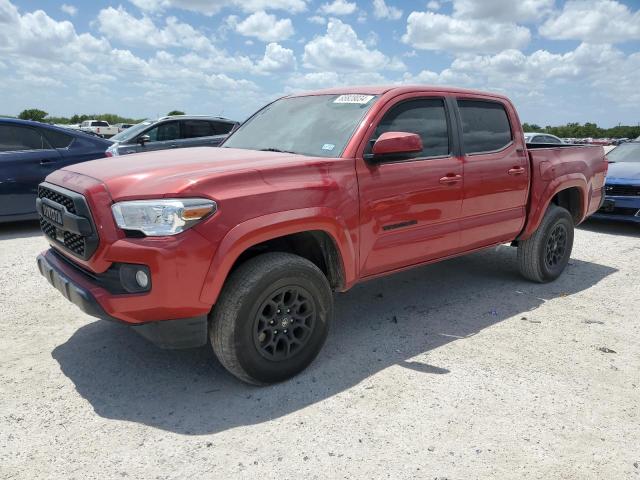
(99, 124)
(485, 126)
(14, 138)
(197, 128)
(57, 139)
(221, 128)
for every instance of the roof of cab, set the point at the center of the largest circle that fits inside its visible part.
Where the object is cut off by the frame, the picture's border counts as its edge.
(397, 89)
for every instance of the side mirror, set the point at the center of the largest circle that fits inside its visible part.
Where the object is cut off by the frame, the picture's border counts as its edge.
(396, 143)
(142, 139)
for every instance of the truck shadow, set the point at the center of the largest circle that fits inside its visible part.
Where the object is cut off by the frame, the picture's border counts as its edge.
(611, 227)
(30, 228)
(383, 323)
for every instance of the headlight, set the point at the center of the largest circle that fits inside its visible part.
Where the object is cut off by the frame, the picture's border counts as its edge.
(157, 218)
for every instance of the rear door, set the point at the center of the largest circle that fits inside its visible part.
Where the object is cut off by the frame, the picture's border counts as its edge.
(496, 173)
(25, 159)
(410, 207)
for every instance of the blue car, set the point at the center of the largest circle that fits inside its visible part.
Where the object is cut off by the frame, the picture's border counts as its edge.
(622, 188)
(29, 151)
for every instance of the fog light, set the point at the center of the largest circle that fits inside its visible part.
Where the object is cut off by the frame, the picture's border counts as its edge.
(142, 278)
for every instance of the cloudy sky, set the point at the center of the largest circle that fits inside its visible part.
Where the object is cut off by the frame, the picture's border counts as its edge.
(560, 61)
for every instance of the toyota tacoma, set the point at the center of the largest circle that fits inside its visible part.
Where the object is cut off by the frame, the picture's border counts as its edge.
(242, 246)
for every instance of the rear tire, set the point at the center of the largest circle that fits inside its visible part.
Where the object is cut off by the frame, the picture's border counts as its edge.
(271, 318)
(544, 255)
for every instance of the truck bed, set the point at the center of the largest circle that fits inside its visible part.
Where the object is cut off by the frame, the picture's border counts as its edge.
(555, 166)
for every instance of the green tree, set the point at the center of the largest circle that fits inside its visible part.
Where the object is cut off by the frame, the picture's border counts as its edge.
(175, 112)
(33, 114)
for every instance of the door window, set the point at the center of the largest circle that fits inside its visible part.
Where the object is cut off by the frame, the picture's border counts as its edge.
(164, 132)
(18, 138)
(426, 117)
(57, 139)
(221, 128)
(485, 126)
(196, 128)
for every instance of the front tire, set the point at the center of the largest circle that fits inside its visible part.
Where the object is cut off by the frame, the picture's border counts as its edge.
(272, 318)
(544, 255)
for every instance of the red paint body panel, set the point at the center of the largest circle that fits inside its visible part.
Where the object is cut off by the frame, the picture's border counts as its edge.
(382, 217)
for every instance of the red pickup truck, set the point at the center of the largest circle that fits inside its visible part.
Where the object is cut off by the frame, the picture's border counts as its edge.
(243, 245)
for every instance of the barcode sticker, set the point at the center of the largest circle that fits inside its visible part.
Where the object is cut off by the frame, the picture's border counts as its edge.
(354, 98)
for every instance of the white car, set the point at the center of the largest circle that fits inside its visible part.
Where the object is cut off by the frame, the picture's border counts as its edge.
(532, 137)
(99, 127)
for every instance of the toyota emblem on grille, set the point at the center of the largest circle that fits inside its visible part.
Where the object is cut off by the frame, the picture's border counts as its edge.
(52, 214)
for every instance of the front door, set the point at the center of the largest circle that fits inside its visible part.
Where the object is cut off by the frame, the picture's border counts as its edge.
(163, 136)
(410, 207)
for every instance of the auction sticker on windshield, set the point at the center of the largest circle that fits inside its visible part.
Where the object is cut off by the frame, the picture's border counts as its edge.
(354, 98)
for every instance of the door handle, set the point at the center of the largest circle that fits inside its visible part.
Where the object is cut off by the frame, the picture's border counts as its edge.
(450, 179)
(44, 161)
(516, 171)
(174, 145)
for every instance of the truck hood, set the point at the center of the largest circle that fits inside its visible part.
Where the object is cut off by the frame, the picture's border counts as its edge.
(624, 173)
(182, 171)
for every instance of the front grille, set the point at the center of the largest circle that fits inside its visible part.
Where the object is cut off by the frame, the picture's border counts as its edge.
(69, 238)
(44, 192)
(623, 190)
(75, 243)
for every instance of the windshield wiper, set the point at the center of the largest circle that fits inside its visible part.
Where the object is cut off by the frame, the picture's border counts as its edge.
(271, 149)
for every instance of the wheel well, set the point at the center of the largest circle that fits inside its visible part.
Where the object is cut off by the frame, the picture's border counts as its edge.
(316, 246)
(571, 200)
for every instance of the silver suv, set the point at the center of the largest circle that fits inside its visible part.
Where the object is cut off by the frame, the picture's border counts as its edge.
(176, 131)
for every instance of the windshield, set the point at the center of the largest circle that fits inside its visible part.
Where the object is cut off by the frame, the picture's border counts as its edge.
(315, 125)
(131, 132)
(627, 152)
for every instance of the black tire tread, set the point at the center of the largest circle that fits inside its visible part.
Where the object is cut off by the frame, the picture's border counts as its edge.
(529, 250)
(236, 289)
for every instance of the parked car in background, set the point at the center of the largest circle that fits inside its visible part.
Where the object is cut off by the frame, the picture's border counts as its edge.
(622, 188)
(176, 131)
(316, 192)
(530, 137)
(99, 127)
(29, 151)
(123, 126)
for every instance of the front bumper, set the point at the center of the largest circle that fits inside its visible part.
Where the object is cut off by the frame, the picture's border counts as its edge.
(77, 287)
(622, 208)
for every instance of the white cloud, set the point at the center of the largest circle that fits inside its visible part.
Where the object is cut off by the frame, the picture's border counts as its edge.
(265, 27)
(503, 10)
(276, 59)
(433, 31)
(594, 21)
(382, 10)
(69, 9)
(518, 74)
(341, 50)
(317, 19)
(433, 5)
(122, 27)
(338, 8)
(317, 80)
(211, 7)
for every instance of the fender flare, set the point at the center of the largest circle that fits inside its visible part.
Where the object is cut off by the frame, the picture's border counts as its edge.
(267, 227)
(543, 200)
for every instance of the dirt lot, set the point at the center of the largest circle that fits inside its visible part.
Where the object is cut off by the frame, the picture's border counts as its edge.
(458, 370)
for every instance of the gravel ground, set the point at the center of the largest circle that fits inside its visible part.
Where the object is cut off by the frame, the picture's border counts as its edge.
(457, 370)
